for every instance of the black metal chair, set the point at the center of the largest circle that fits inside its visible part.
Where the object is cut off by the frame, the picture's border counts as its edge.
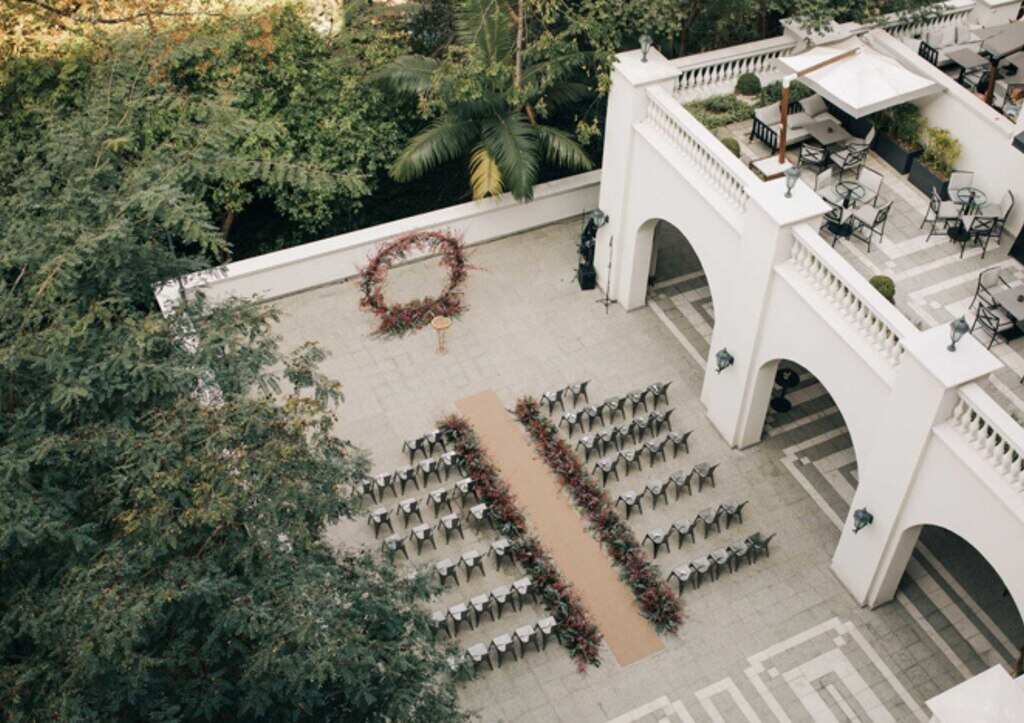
(661, 419)
(940, 215)
(459, 614)
(705, 475)
(740, 552)
(658, 392)
(655, 449)
(501, 596)
(632, 501)
(481, 604)
(404, 476)
(451, 523)
(503, 644)
(759, 544)
(592, 414)
(572, 420)
(378, 518)
(720, 557)
(589, 444)
(680, 441)
(430, 467)
(472, 560)
(636, 400)
(640, 426)
(980, 233)
(657, 490)
(446, 571)
(553, 398)
(423, 533)
(500, 550)
(685, 528)
(682, 574)
(658, 538)
(701, 567)
(546, 628)
(579, 390)
(731, 510)
(609, 439)
(812, 156)
(681, 480)
(631, 457)
(711, 516)
(615, 405)
(869, 223)
(394, 544)
(414, 446)
(849, 158)
(607, 467)
(986, 280)
(440, 497)
(624, 432)
(465, 487)
(408, 508)
(994, 321)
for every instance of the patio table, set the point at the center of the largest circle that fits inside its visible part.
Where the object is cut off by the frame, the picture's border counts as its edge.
(1012, 302)
(828, 133)
(769, 167)
(850, 192)
(967, 58)
(972, 198)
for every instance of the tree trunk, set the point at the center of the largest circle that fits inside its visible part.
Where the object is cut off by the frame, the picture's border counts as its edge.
(225, 227)
(519, 46)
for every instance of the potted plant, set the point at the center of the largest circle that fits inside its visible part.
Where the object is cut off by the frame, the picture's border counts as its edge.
(885, 286)
(931, 169)
(898, 136)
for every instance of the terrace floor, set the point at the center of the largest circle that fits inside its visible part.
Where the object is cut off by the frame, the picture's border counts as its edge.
(933, 284)
(778, 640)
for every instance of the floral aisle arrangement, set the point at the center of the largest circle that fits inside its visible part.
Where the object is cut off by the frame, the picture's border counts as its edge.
(398, 319)
(575, 631)
(656, 600)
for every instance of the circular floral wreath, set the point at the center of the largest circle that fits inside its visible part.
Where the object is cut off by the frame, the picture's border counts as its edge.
(398, 319)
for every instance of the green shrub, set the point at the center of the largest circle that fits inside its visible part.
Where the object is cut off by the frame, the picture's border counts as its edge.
(719, 110)
(884, 286)
(748, 84)
(941, 152)
(772, 93)
(732, 144)
(903, 123)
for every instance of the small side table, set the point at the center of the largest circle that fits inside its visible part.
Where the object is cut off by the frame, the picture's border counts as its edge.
(441, 324)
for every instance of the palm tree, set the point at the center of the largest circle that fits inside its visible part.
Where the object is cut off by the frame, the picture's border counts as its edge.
(498, 131)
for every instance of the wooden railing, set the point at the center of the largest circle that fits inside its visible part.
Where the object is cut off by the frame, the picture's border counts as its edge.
(714, 72)
(992, 433)
(716, 164)
(848, 292)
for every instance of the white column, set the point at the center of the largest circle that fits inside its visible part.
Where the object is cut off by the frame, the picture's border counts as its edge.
(734, 397)
(924, 392)
(627, 105)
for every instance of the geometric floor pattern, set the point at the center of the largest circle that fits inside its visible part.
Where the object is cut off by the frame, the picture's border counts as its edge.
(781, 634)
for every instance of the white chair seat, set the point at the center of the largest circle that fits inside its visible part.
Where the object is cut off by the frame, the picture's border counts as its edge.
(949, 210)
(865, 214)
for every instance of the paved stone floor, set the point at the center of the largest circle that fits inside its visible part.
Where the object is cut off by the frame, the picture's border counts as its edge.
(934, 284)
(777, 640)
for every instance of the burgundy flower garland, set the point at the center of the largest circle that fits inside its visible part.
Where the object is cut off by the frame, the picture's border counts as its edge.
(575, 630)
(655, 597)
(398, 319)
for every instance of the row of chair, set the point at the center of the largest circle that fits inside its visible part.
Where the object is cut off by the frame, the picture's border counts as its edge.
(709, 516)
(491, 603)
(447, 570)
(428, 442)
(636, 429)
(557, 396)
(658, 490)
(728, 557)
(538, 633)
(418, 474)
(657, 392)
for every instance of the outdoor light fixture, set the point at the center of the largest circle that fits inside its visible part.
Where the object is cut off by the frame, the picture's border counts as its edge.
(792, 176)
(861, 519)
(599, 217)
(957, 329)
(645, 46)
(723, 360)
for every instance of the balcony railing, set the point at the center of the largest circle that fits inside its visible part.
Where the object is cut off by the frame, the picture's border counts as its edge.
(946, 14)
(715, 72)
(882, 325)
(700, 148)
(992, 433)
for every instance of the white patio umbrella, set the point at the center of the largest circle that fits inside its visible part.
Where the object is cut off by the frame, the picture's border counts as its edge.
(863, 82)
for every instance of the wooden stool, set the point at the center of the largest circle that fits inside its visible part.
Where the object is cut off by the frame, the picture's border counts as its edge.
(441, 324)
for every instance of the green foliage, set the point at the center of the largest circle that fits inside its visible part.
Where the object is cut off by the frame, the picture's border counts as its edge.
(884, 286)
(161, 557)
(903, 123)
(732, 144)
(748, 84)
(313, 138)
(485, 101)
(772, 92)
(719, 110)
(819, 14)
(941, 151)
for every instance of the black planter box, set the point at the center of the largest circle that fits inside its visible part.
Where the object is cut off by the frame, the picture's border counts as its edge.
(587, 276)
(894, 154)
(924, 180)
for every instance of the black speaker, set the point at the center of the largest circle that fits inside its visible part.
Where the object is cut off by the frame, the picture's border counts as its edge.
(587, 276)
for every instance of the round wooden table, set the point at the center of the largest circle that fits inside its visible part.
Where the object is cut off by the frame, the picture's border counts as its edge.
(441, 324)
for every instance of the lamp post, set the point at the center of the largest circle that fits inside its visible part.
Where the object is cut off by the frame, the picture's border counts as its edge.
(646, 41)
(957, 329)
(792, 176)
(723, 360)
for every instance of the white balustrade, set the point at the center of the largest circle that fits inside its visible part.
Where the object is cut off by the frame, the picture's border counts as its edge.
(992, 433)
(714, 72)
(901, 27)
(699, 146)
(838, 285)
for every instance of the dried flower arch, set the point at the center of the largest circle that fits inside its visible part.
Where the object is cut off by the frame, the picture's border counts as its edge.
(398, 319)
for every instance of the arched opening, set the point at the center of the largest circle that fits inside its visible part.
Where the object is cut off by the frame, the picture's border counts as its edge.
(678, 287)
(962, 600)
(804, 426)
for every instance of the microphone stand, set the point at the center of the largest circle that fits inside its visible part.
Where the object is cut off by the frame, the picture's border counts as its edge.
(608, 279)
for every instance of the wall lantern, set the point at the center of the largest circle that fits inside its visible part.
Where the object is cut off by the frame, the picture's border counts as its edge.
(645, 46)
(792, 176)
(861, 519)
(599, 217)
(723, 360)
(957, 329)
